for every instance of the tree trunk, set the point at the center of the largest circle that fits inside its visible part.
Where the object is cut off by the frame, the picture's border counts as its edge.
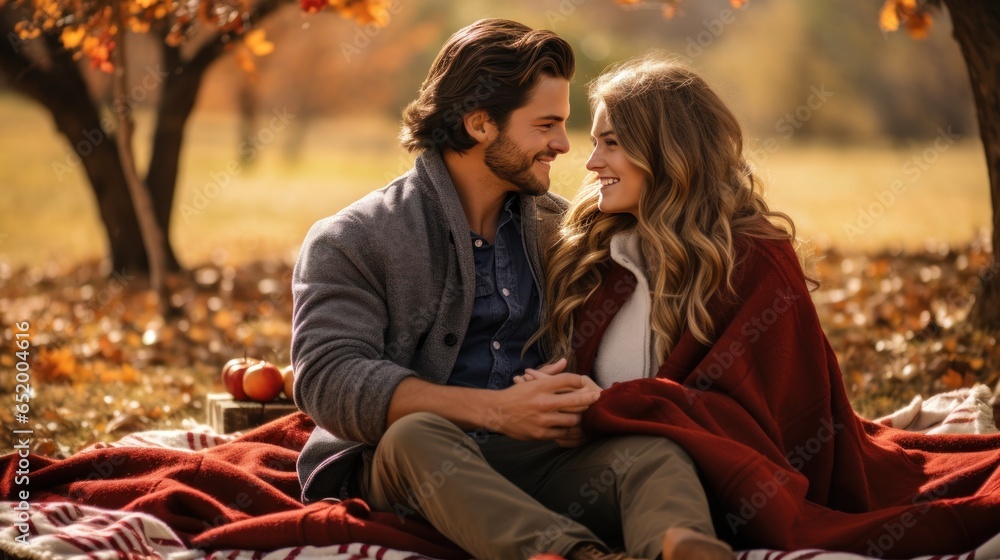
(177, 100)
(180, 91)
(77, 120)
(975, 25)
(247, 103)
(153, 237)
(63, 92)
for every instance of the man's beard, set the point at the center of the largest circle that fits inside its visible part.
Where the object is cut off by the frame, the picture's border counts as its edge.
(507, 162)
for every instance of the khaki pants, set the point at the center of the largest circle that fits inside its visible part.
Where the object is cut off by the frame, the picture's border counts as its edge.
(508, 499)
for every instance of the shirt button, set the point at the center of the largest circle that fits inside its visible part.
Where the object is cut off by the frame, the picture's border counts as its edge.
(496, 345)
(450, 339)
(481, 435)
(479, 243)
(505, 292)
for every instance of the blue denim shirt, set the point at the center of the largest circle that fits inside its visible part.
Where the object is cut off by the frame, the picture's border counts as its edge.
(506, 309)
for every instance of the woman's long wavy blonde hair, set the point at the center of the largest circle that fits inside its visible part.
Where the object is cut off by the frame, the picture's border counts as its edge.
(699, 193)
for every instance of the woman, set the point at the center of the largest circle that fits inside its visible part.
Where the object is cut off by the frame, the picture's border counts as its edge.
(672, 278)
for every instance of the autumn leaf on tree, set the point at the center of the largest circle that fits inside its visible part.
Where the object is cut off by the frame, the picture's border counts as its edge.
(361, 11)
(257, 42)
(918, 25)
(668, 8)
(88, 28)
(914, 16)
(73, 36)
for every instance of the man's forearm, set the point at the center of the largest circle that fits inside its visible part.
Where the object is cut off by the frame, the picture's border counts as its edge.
(466, 407)
(544, 409)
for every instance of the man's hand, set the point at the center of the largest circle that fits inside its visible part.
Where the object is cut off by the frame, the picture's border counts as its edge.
(575, 436)
(548, 408)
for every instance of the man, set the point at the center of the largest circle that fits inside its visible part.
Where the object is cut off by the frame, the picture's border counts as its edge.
(413, 307)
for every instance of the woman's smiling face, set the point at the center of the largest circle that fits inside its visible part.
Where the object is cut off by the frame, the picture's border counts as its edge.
(621, 180)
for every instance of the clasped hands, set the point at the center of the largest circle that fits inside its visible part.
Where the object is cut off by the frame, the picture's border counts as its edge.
(547, 403)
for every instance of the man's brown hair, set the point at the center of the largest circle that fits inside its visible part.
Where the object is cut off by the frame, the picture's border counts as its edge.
(492, 65)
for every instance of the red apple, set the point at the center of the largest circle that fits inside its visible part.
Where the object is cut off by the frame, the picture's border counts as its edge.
(230, 364)
(232, 376)
(262, 382)
(289, 377)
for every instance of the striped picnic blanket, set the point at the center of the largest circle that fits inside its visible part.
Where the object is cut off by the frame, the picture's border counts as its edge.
(68, 530)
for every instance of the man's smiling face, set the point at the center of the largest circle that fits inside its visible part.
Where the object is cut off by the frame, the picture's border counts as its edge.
(535, 134)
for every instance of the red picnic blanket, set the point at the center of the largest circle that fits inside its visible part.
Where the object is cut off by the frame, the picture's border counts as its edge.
(763, 412)
(785, 461)
(237, 495)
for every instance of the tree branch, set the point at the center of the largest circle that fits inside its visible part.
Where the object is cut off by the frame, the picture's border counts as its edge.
(25, 74)
(212, 49)
(153, 234)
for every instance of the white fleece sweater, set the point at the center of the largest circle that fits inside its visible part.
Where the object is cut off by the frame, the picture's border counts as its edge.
(626, 349)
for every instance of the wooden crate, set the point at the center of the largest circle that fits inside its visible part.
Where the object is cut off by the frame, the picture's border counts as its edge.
(226, 415)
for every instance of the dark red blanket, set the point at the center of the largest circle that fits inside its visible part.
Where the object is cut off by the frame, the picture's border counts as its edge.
(786, 462)
(238, 495)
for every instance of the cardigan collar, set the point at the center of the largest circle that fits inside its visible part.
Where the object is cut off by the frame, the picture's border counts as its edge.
(437, 183)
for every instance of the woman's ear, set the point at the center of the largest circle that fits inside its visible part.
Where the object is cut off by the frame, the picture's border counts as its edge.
(479, 126)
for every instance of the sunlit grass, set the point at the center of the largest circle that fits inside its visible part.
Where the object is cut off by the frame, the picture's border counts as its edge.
(47, 212)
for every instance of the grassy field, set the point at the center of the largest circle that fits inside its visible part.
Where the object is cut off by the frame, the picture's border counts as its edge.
(47, 212)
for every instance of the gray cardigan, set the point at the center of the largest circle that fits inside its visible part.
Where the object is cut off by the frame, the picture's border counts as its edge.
(384, 290)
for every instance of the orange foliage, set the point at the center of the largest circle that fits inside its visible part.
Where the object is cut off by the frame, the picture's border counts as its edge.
(89, 27)
(915, 16)
(954, 380)
(55, 365)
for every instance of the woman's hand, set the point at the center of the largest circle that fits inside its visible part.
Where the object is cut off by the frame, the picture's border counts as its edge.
(548, 370)
(531, 374)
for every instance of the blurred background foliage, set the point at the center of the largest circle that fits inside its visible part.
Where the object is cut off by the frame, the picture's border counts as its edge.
(889, 86)
(344, 86)
(764, 57)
